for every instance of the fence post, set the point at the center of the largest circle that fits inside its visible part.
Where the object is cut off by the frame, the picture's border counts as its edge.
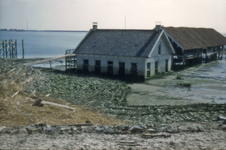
(22, 48)
(16, 47)
(6, 48)
(3, 48)
(10, 50)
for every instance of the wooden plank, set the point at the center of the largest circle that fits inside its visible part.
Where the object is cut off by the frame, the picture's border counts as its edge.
(56, 104)
(155, 135)
(128, 143)
(81, 124)
(49, 59)
(222, 118)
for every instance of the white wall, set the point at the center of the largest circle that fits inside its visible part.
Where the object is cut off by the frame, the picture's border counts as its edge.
(165, 54)
(141, 62)
(104, 63)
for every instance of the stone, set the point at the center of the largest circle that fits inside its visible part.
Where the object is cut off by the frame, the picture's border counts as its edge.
(53, 130)
(1, 128)
(87, 129)
(65, 130)
(135, 128)
(123, 128)
(31, 129)
(22, 131)
(99, 129)
(151, 130)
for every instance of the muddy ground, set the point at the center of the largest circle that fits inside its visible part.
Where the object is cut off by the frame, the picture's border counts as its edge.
(207, 85)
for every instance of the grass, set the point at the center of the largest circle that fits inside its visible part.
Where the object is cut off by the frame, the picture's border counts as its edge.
(16, 107)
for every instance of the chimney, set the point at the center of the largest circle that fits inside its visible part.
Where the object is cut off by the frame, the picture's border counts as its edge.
(158, 26)
(94, 26)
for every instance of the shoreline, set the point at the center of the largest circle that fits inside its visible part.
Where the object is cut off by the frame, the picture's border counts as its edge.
(196, 125)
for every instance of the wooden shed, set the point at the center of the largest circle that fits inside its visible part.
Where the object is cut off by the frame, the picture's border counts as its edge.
(193, 45)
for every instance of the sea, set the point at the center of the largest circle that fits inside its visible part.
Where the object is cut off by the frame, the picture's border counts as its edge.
(43, 44)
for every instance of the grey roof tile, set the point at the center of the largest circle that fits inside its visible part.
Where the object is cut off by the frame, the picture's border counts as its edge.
(131, 43)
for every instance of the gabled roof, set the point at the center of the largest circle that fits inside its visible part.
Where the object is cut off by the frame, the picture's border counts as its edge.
(128, 43)
(195, 38)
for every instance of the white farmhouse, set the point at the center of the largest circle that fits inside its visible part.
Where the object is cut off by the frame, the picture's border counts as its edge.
(136, 54)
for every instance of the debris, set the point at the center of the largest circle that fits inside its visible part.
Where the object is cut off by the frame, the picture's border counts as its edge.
(53, 130)
(81, 124)
(221, 118)
(151, 130)
(56, 104)
(37, 102)
(1, 128)
(155, 135)
(87, 121)
(116, 132)
(135, 128)
(128, 143)
(15, 94)
(26, 114)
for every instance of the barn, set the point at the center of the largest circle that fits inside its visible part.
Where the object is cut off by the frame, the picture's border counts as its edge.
(131, 54)
(195, 45)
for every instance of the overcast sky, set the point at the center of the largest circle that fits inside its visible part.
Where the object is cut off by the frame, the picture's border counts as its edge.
(111, 14)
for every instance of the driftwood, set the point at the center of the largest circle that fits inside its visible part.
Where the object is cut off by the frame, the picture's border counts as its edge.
(81, 124)
(222, 118)
(155, 135)
(128, 143)
(116, 132)
(56, 104)
(15, 94)
(1, 128)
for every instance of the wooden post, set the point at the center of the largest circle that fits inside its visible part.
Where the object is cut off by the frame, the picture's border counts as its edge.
(3, 48)
(16, 47)
(10, 49)
(22, 48)
(6, 48)
(50, 64)
(65, 63)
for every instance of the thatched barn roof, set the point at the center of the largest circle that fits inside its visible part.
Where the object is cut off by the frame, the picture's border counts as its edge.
(112, 42)
(195, 38)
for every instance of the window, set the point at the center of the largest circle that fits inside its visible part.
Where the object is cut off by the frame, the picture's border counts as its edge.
(148, 69)
(121, 70)
(166, 66)
(110, 68)
(97, 66)
(159, 48)
(156, 67)
(148, 65)
(85, 64)
(133, 69)
(86, 61)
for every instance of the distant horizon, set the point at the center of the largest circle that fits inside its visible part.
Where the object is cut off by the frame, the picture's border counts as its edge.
(24, 30)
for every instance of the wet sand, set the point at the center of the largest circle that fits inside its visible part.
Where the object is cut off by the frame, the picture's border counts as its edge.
(208, 85)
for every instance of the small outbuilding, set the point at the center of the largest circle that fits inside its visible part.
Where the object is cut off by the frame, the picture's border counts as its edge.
(132, 54)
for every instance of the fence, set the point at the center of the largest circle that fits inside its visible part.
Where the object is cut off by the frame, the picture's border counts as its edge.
(9, 49)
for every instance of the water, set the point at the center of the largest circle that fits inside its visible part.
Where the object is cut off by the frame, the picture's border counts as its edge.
(43, 44)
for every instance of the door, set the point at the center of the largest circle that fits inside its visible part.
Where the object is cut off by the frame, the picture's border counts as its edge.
(121, 71)
(166, 67)
(110, 68)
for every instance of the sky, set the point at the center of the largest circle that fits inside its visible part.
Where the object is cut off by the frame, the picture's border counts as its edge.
(111, 14)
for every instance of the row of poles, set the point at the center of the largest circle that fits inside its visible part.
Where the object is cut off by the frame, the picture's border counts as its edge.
(9, 49)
